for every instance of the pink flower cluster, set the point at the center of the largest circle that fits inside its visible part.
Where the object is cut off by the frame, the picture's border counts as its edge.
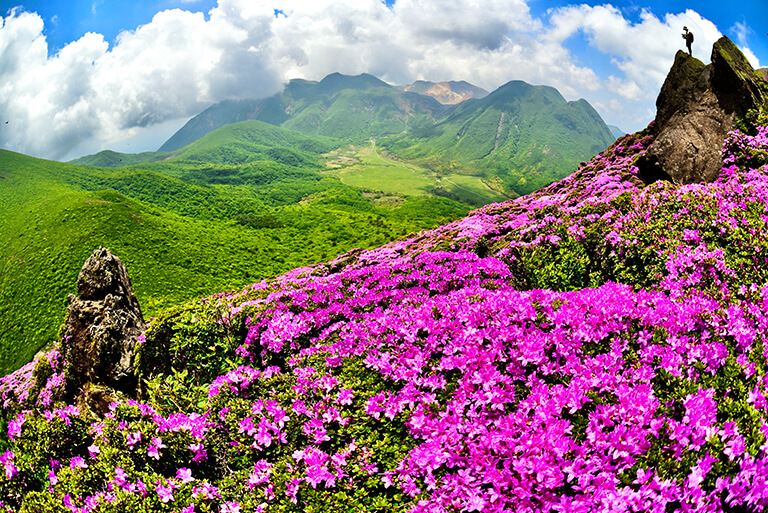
(646, 391)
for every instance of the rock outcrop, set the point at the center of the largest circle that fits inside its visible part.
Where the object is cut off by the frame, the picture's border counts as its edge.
(697, 106)
(103, 324)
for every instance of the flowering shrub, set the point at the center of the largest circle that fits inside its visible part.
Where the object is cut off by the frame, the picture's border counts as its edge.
(599, 345)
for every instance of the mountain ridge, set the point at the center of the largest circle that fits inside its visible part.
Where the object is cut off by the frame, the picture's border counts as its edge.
(497, 145)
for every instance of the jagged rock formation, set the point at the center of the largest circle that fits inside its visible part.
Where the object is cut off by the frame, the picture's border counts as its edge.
(103, 324)
(697, 106)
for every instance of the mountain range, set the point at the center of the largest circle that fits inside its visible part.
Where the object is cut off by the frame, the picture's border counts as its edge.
(519, 137)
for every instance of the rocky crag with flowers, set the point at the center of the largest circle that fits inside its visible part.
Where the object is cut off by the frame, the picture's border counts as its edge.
(103, 323)
(697, 107)
(598, 345)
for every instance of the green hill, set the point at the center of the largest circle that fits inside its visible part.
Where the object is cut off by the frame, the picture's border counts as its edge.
(250, 141)
(269, 110)
(521, 135)
(109, 158)
(184, 227)
(236, 143)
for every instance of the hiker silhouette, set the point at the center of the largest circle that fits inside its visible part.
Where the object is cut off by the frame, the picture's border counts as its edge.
(688, 36)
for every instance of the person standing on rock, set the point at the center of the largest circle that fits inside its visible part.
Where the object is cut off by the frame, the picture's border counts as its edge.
(688, 36)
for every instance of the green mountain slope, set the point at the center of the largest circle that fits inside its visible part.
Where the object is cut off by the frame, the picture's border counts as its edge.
(250, 141)
(350, 107)
(236, 143)
(269, 110)
(522, 135)
(183, 227)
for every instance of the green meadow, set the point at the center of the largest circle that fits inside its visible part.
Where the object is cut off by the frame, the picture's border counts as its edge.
(368, 169)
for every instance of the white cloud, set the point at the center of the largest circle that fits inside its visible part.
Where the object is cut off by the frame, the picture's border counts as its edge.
(90, 96)
(172, 67)
(643, 51)
(742, 31)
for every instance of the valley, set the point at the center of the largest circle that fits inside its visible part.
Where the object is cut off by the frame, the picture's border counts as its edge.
(370, 170)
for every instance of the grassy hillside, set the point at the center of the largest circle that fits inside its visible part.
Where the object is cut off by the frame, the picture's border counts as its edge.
(250, 141)
(522, 135)
(366, 169)
(109, 158)
(236, 143)
(182, 228)
(269, 110)
(598, 341)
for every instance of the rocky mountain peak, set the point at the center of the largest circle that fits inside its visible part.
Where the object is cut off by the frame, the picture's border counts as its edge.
(447, 93)
(697, 106)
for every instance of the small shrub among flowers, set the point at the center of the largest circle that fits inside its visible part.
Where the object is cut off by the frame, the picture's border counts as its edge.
(599, 345)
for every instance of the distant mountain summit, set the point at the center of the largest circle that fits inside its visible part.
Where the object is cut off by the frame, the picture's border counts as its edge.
(616, 131)
(447, 93)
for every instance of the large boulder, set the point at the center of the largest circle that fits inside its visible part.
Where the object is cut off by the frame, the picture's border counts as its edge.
(697, 106)
(103, 324)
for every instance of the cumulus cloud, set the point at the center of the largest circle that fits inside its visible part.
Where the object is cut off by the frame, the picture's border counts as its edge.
(643, 51)
(172, 67)
(742, 31)
(90, 96)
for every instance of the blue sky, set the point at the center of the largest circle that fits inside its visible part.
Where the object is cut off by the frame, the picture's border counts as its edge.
(68, 20)
(86, 75)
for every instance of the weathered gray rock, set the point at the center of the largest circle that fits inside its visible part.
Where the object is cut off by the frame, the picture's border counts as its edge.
(697, 106)
(102, 327)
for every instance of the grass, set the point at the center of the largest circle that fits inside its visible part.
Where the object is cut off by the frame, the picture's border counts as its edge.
(368, 169)
(471, 189)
